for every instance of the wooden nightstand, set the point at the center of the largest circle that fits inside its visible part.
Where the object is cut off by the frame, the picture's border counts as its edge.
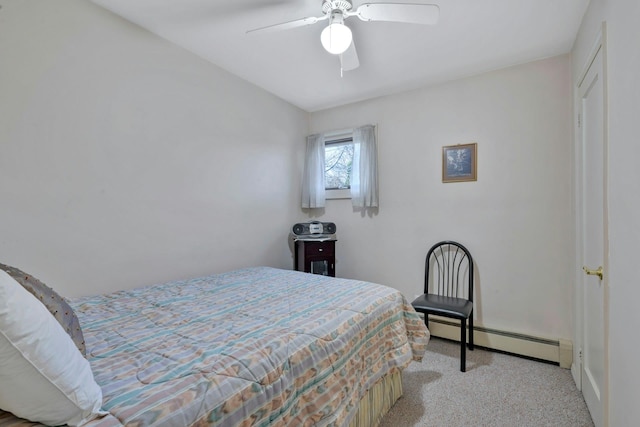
(317, 257)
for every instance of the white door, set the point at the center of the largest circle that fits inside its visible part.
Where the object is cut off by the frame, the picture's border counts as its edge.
(592, 124)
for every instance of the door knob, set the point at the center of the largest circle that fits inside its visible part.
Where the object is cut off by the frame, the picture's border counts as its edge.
(599, 272)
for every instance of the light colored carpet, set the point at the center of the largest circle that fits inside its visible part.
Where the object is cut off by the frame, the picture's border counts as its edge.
(497, 390)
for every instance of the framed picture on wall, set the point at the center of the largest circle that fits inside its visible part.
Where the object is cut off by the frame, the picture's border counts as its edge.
(459, 163)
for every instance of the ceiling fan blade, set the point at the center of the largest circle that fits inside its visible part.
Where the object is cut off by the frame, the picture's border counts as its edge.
(399, 12)
(349, 58)
(288, 25)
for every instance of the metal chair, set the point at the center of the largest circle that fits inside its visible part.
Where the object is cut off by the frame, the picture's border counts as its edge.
(448, 289)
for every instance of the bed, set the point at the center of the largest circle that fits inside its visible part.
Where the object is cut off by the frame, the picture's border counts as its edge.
(252, 347)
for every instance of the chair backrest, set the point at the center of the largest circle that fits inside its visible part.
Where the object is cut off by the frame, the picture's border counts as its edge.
(449, 270)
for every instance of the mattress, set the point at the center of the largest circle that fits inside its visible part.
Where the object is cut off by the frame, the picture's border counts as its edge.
(252, 347)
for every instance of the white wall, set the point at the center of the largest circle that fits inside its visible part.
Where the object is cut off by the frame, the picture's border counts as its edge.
(126, 161)
(516, 219)
(623, 68)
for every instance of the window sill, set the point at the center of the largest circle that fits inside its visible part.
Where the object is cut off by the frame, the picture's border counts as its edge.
(338, 194)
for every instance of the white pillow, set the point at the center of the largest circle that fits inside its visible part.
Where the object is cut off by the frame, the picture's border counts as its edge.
(43, 375)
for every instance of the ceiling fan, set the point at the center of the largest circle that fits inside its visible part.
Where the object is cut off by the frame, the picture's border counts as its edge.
(337, 38)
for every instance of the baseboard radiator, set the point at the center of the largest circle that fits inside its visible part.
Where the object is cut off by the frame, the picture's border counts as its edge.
(558, 351)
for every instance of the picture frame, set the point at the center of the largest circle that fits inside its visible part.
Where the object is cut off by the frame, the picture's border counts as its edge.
(459, 163)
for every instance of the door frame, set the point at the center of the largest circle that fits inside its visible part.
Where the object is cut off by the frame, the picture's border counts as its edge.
(600, 45)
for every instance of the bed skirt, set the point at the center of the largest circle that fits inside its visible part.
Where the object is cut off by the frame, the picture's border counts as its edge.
(378, 401)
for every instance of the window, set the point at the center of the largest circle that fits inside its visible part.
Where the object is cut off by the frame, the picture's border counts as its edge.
(338, 160)
(341, 165)
(338, 163)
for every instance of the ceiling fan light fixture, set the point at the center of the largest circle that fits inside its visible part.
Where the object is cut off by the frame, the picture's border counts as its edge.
(336, 38)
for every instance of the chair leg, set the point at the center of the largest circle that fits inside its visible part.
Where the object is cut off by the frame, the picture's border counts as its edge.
(471, 331)
(426, 320)
(463, 345)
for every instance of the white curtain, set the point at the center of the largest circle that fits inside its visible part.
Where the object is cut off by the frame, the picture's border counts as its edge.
(313, 193)
(364, 173)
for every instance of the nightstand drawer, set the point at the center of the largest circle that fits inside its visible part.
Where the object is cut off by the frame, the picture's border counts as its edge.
(319, 248)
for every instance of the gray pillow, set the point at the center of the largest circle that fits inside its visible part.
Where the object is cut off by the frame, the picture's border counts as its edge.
(56, 304)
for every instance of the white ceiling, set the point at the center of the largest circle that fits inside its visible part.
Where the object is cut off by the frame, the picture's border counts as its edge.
(471, 37)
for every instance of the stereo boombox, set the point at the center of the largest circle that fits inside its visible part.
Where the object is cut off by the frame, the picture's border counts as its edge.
(314, 229)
